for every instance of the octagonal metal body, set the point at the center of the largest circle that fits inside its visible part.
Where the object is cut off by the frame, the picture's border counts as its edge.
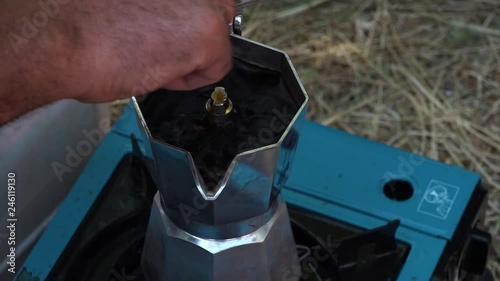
(240, 229)
(266, 254)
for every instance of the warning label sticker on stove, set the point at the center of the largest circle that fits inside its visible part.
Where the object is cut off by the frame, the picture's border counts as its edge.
(438, 199)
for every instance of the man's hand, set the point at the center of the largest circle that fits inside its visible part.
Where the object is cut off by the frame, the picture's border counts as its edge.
(102, 50)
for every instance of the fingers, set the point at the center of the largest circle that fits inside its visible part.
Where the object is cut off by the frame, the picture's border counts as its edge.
(200, 78)
(212, 57)
(203, 77)
(188, 49)
(225, 9)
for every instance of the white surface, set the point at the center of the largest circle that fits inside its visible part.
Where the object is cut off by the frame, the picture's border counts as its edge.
(29, 147)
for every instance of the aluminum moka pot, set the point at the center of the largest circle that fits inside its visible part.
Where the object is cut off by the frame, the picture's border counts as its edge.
(221, 155)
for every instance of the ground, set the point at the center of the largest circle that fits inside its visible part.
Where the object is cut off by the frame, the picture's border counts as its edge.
(420, 75)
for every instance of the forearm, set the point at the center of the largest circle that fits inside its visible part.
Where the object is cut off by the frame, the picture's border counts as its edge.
(102, 50)
(34, 59)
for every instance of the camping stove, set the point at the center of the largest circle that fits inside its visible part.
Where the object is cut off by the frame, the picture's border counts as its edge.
(231, 183)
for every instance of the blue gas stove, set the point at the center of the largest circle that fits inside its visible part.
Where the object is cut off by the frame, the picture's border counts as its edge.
(357, 210)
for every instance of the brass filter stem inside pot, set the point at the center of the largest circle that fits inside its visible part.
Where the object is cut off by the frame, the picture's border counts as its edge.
(219, 103)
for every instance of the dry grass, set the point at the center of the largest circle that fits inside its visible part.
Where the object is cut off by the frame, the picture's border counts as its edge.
(420, 75)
